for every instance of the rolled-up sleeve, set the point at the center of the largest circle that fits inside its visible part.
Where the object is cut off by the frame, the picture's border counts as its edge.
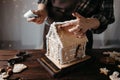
(105, 16)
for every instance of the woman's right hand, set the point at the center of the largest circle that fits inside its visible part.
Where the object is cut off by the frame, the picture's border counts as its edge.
(42, 14)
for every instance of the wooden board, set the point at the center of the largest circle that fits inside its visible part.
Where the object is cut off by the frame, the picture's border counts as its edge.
(57, 72)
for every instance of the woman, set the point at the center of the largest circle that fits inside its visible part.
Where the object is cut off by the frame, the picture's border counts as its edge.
(90, 16)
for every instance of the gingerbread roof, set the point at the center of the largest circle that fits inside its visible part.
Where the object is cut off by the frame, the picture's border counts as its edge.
(66, 38)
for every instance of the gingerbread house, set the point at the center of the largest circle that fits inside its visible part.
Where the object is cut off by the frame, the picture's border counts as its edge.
(63, 48)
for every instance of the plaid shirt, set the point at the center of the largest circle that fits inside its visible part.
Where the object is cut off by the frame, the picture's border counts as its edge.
(100, 9)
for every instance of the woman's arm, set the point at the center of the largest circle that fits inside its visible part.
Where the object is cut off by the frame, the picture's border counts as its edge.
(105, 16)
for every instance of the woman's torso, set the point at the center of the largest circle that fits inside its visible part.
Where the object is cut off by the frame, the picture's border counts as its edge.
(61, 10)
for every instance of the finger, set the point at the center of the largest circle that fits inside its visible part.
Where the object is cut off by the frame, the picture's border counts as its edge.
(40, 21)
(66, 24)
(80, 36)
(30, 19)
(74, 29)
(77, 15)
(35, 12)
(78, 33)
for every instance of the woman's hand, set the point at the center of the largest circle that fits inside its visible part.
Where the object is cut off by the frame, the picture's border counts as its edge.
(80, 25)
(42, 14)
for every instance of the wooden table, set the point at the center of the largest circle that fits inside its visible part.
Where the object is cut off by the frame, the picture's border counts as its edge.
(35, 71)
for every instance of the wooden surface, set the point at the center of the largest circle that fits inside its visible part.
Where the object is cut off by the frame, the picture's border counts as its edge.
(35, 71)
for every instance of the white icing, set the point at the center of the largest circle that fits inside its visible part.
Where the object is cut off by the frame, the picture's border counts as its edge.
(18, 68)
(114, 76)
(61, 46)
(4, 75)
